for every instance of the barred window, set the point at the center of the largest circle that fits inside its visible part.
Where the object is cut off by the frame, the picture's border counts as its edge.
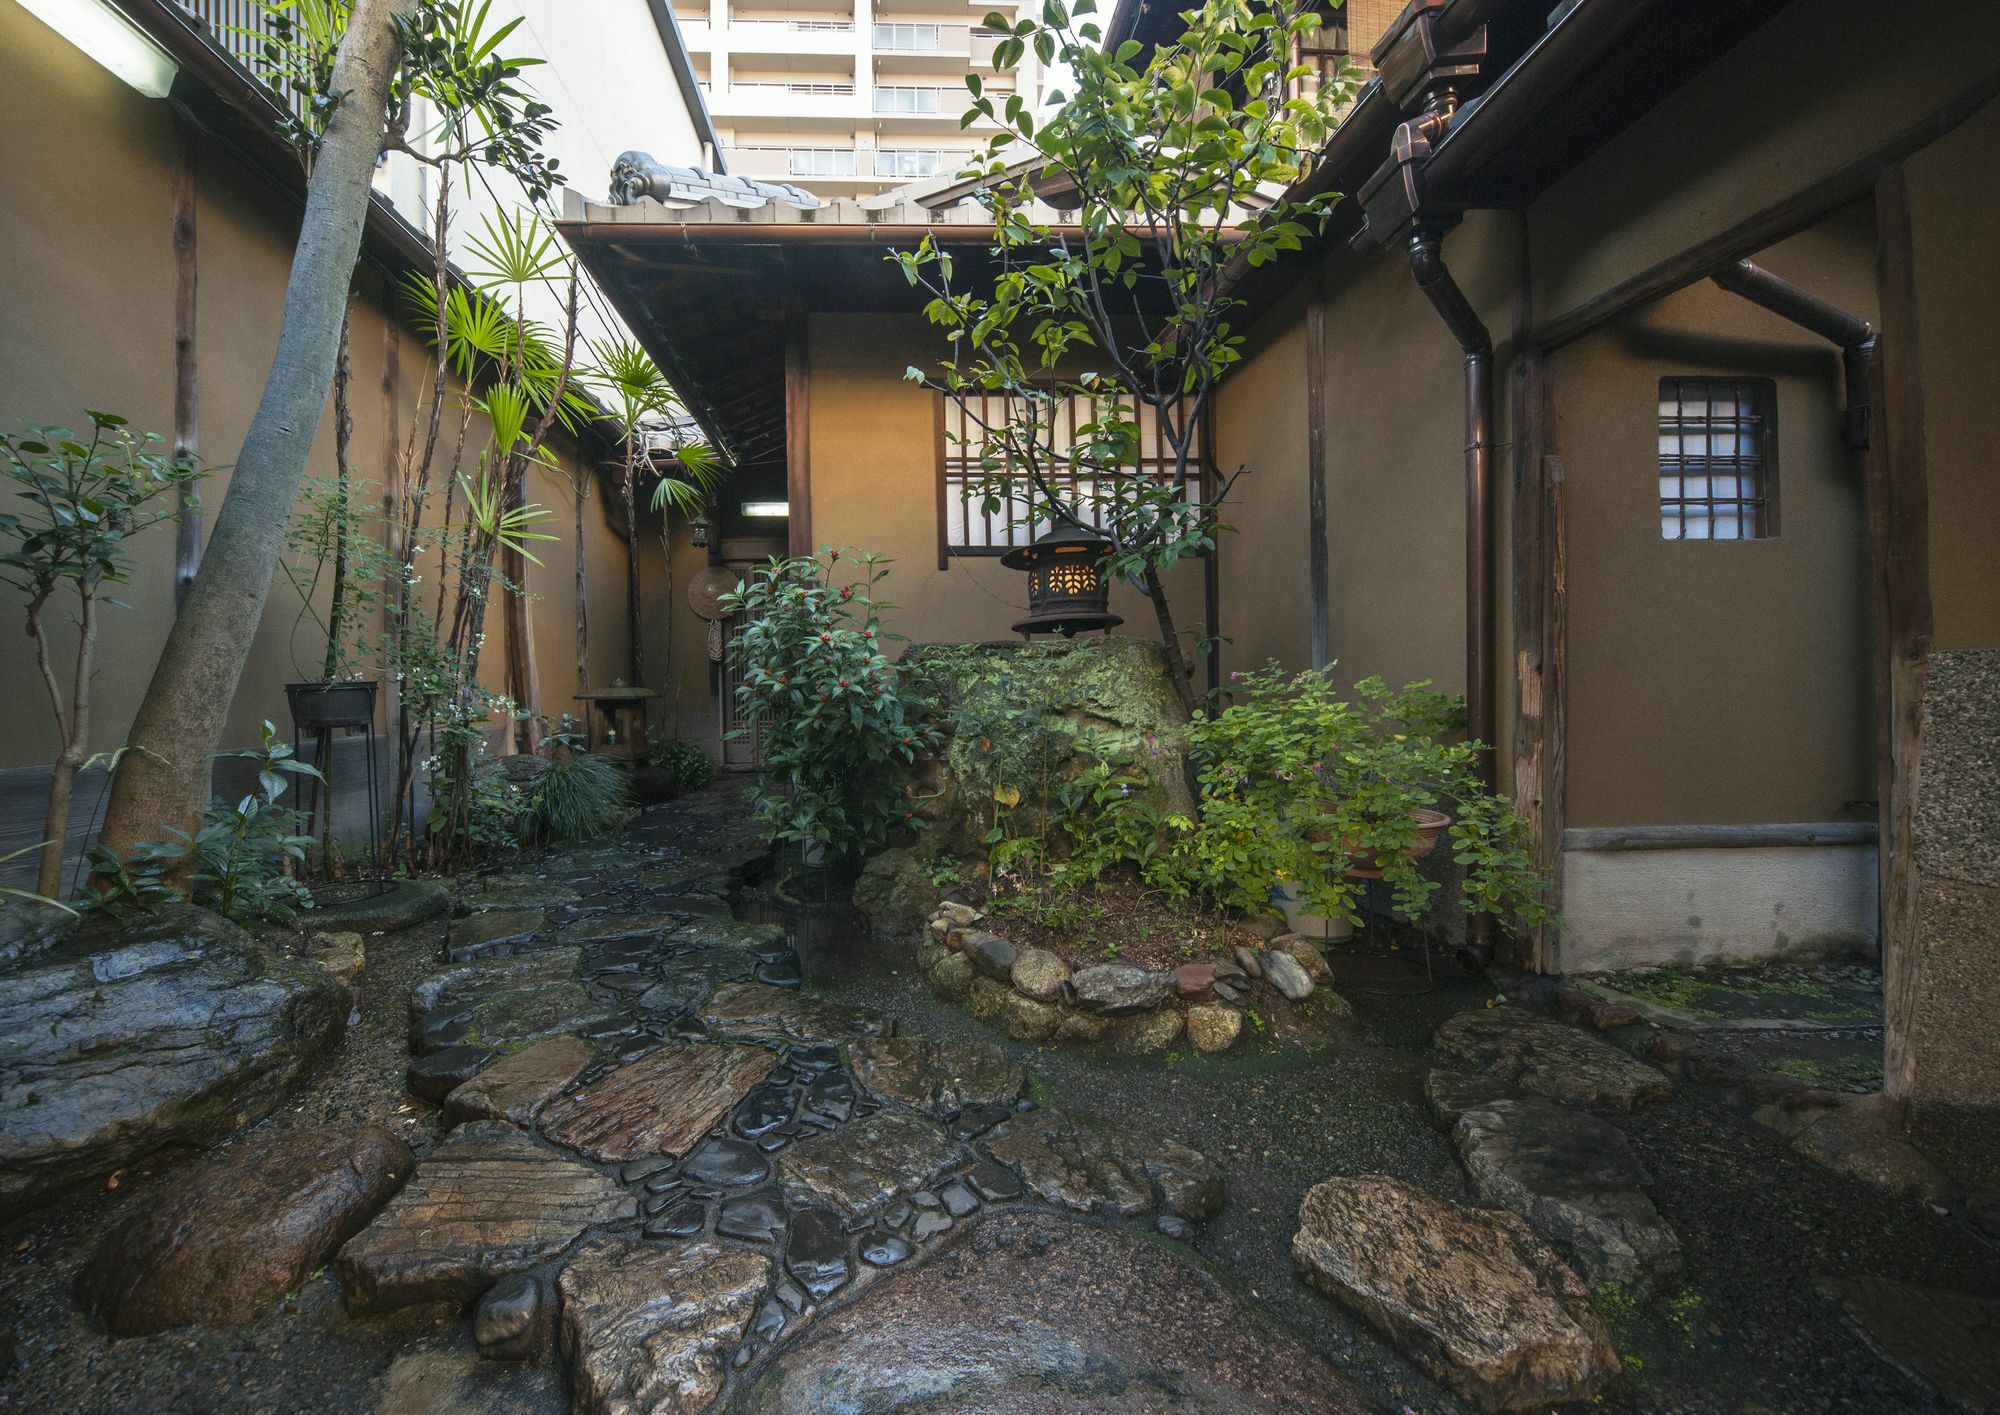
(1717, 454)
(966, 527)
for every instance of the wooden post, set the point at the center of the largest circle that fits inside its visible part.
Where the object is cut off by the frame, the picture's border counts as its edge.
(798, 432)
(1898, 527)
(1318, 559)
(187, 385)
(1540, 611)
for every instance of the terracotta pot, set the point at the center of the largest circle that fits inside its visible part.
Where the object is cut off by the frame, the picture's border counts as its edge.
(1430, 825)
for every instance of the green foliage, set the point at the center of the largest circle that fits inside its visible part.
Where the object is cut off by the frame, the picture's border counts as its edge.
(1299, 784)
(246, 856)
(79, 502)
(692, 767)
(835, 718)
(1170, 167)
(1108, 823)
(28, 896)
(577, 796)
(331, 525)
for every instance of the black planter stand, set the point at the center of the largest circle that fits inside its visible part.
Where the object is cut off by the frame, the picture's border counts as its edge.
(321, 709)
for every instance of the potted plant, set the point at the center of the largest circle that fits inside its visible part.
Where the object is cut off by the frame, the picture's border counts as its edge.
(327, 543)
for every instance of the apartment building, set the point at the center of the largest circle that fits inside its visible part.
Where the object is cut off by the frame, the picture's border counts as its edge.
(847, 98)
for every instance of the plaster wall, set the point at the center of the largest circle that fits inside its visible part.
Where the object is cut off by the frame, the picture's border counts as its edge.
(86, 321)
(1684, 907)
(875, 487)
(1719, 682)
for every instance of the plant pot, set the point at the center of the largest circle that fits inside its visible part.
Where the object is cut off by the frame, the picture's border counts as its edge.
(1364, 864)
(1289, 899)
(320, 707)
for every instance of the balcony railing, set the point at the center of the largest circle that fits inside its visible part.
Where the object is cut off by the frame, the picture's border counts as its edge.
(242, 28)
(912, 98)
(793, 161)
(919, 162)
(899, 38)
(810, 90)
(795, 26)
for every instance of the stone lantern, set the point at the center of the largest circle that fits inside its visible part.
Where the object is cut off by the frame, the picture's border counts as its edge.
(1067, 591)
(614, 722)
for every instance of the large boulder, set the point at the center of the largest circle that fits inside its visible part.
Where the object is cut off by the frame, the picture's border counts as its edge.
(1024, 713)
(1470, 1295)
(893, 894)
(215, 1244)
(1040, 1312)
(125, 1036)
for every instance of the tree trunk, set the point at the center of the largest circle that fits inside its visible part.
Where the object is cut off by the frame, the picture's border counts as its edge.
(163, 780)
(632, 605)
(74, 726)
(1177, 667)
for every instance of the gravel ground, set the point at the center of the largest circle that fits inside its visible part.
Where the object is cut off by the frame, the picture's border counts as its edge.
(1758, 1223)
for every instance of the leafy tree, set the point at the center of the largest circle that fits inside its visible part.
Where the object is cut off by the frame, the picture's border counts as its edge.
(360, 73)
(79, 503)
(1170, 162)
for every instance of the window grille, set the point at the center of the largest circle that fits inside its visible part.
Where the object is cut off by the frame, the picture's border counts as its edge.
(966, 527)
(1716, 456)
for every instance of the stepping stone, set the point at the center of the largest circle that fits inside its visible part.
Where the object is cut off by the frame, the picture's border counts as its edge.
(816, 1252)
(768, 1108)
(1112, 989)
(477, 1210)
(489, 934)
(1040, 1312)
(1451, 1094)
(1079, 1162)
(515, 1088)
(860, 1167)
(503, 1004)
(120, 1036)
(1576, 1179)
(1470, 1295)
(215, 1244)
(646, 1328)
(756, 1012)
(659, 1105)
(939, 1078)
(515, 1320)
(726, 1164)
(678, 1220)
(1943, 1339)
(403, 905)
(884, 1250)
(994, 1183)
(609, 928)
(437, 1075)
(515, 892)
(446, 1374)
(1549, 1058)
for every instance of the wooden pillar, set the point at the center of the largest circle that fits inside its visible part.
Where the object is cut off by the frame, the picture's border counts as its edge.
(798, 430)
(1540, 613)
(1898, 527)
(187, 386)
(1318, 558)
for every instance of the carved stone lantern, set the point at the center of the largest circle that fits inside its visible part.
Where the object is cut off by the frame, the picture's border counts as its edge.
(614, 722)
(1067, 591)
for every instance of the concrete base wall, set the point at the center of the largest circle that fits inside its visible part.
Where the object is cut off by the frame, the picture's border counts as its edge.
(1642, 907)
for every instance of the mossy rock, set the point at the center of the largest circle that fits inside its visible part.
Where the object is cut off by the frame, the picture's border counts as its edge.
(1024, 717)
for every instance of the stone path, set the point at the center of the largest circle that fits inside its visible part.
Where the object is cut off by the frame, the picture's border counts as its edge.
(666, 1164)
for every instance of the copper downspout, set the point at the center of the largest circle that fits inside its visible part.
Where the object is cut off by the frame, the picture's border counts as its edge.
(1854, 335)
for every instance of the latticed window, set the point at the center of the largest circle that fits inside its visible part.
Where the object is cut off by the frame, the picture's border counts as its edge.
(966, 527)
(1717, 452)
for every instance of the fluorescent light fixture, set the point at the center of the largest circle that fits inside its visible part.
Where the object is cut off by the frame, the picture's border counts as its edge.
(101, 30)
(767, 508)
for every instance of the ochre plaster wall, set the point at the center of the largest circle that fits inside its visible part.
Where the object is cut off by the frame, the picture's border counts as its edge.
(875, 487)
(1719, 682)
(86, 321)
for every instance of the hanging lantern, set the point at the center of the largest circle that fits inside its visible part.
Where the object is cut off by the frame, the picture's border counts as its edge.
(698, 528)
(1067, 591)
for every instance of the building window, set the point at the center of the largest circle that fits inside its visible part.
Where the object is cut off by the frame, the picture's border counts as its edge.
(966, 527)
(1717, 455)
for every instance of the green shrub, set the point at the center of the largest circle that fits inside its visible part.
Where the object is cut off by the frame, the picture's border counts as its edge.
(835, 718)
(692, 768)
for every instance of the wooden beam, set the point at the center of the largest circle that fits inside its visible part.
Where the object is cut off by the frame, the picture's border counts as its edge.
(798, 432)
(187, 381)
(1319, 575)
(1899, 539)
(1785, 217)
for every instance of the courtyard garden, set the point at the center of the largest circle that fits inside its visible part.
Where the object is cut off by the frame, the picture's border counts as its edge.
(1023, 1027)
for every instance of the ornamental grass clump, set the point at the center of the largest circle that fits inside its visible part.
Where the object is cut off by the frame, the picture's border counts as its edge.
(825, 698)
(1301, 785)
